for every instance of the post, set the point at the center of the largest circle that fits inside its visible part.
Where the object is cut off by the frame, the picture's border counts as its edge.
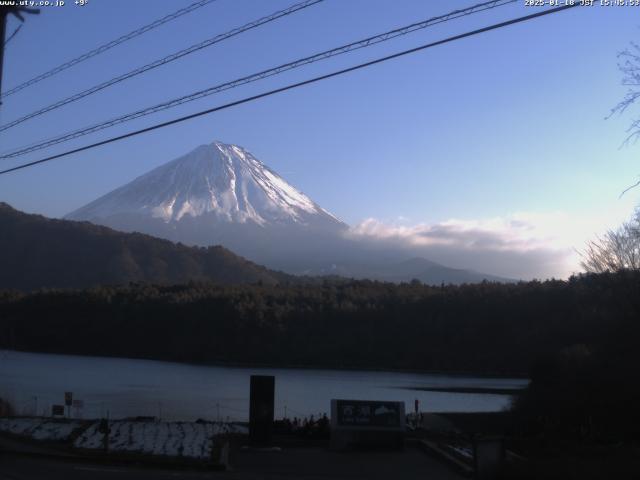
(68, 401)
(3, 28)
(105, 430)
(488, 457)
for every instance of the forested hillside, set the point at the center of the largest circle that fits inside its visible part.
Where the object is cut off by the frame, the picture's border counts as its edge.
(38, 252)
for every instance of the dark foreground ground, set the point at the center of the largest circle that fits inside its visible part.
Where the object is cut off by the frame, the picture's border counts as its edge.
(307, 459)
(21, 467)
(297, 463)
(317, 463)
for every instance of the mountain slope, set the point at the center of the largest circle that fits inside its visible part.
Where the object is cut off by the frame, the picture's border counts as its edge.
(426, 271)
(39, 252)
(220, 194)
(223, 182)
(433, 273)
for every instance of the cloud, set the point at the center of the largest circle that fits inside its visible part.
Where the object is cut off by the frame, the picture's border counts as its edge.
(522, 245)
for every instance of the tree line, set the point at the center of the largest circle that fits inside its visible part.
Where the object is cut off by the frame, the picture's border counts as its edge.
(486, 328)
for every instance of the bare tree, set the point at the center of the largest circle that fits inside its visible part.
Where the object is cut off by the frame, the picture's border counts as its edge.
(629, 65)
(616, 250)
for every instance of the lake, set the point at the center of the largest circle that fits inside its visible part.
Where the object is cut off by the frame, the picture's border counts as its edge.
(125, 387)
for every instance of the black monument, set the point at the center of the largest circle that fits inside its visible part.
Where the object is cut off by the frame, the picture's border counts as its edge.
(261, 405)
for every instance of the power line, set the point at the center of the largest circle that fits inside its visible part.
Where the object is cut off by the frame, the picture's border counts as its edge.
(383, 37)
(109, 45)
(295, 85)
(163, 61)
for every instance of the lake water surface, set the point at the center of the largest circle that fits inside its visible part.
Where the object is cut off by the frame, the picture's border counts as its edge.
(125, 387)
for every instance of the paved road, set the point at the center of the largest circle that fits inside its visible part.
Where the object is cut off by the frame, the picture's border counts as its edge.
(317, 463)
(299, 463)
(21, 467)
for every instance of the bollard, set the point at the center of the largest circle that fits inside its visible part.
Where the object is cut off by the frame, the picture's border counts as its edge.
(488, 457)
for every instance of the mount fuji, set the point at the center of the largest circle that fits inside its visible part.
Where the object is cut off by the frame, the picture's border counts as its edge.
(220, 194)
(221, 181)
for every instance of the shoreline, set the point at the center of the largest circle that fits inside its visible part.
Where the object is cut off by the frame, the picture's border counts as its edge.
(226, 364)
(480, 390)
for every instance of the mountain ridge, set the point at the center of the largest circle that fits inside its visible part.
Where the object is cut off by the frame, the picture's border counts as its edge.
(38, 252)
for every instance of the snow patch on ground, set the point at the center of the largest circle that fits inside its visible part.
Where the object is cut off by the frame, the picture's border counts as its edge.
(175, 439)
(39, 428)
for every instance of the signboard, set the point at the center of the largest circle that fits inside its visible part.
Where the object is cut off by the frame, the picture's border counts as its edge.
(68, 398)
(367, 423)
(57, 410)
(364, 413)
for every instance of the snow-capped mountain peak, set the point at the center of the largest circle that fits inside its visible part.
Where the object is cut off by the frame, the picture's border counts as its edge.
(222, 180)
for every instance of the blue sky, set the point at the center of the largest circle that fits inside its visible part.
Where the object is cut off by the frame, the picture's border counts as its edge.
(484, 133)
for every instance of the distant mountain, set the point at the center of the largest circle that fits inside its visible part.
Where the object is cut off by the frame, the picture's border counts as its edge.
(431, 272)
(220, 194)
(417, 268)
(39, 252)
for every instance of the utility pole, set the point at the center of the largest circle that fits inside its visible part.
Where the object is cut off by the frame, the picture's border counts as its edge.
(4, 13)
(3, 27)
